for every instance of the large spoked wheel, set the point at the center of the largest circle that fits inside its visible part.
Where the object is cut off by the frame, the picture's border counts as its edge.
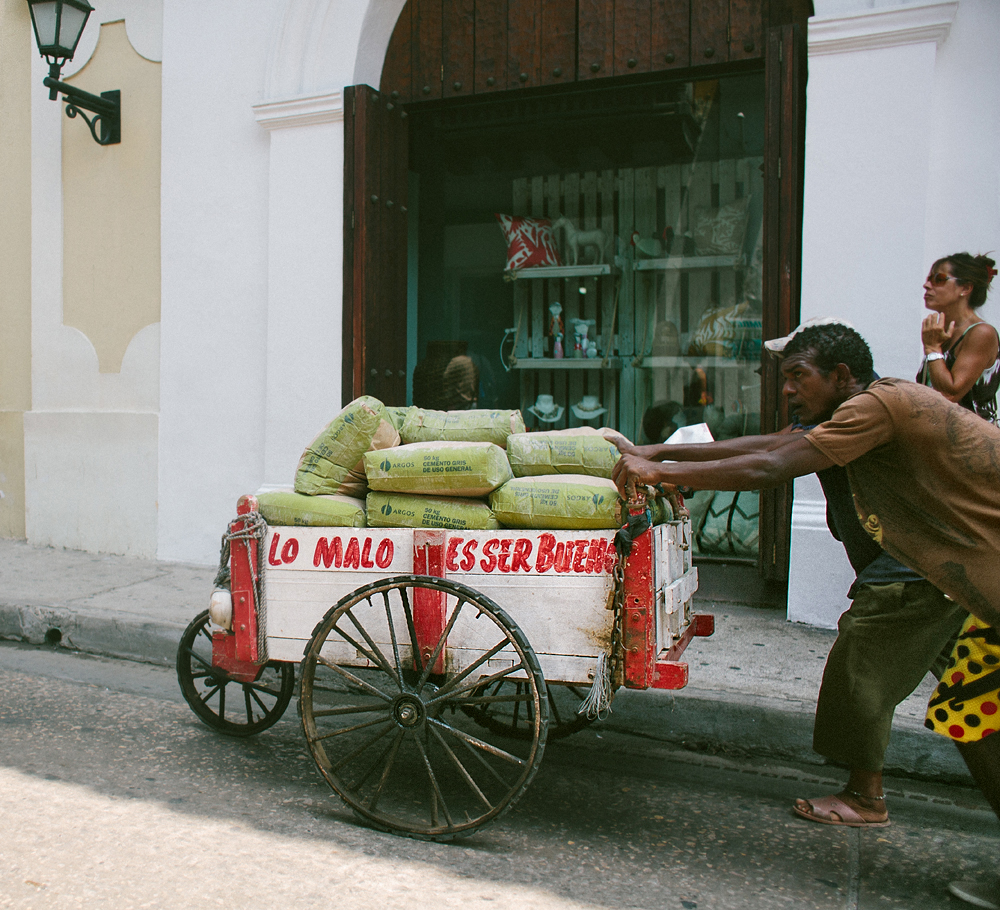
(387, 680)
(509, 718)
(230, 706)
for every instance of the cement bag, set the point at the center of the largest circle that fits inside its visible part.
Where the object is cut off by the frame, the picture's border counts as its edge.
(422, 425)
(407, 510)
(285, 508)
(531, 454)
(439, 468)
(327, 462)
(397, 415)
(662, 510)
(564, 501)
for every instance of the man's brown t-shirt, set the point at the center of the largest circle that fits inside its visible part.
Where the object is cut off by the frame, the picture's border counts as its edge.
(925, 474)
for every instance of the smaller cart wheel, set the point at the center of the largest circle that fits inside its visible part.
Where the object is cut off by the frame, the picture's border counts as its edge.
(509, 718)
(388, 681)
(230, 706)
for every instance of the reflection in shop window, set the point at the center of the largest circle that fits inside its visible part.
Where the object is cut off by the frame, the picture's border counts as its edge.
(595, 258)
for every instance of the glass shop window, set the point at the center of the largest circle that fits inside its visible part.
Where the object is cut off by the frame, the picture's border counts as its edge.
(594, 258)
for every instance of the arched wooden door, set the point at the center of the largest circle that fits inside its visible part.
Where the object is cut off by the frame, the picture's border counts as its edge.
(445, 51)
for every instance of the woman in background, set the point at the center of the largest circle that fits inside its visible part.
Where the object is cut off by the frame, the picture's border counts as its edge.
(961, 361)
(961, 351)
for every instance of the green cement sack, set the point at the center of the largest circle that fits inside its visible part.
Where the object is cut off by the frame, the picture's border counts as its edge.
(288, 509)
(422, 425)
(397, 415)
(531, 454)
(564, 501)
(327, 462)
(406, 510)
(662, 510)
(439, 468)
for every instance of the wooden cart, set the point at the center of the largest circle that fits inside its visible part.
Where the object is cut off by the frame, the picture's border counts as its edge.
(435, 663)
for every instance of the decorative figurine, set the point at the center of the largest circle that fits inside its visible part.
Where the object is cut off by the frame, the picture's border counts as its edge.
(577, 240)
(580, 330)
(556, 329)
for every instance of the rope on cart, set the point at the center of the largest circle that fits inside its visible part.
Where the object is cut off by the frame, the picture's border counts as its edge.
(224, 577)
(597, 704)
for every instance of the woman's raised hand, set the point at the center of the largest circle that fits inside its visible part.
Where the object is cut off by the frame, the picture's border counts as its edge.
(934, 334)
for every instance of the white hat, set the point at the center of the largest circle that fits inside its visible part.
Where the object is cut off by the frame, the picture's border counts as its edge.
(588, 407)
(778, 344)
(546, 410)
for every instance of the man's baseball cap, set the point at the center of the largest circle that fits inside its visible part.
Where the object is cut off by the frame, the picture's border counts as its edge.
(777, 345)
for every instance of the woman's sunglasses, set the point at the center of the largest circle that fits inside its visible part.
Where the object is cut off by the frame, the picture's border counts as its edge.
(940, 279)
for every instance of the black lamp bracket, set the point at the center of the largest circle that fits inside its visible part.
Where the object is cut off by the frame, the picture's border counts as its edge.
(106, 124)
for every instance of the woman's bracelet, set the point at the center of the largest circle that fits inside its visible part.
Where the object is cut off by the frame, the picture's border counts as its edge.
(937, 355)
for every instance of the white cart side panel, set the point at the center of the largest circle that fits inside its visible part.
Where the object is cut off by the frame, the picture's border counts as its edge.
(308, 570)
(675, 581)
(554, 585)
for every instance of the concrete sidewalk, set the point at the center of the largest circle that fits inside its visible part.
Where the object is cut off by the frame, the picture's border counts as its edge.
(752, 685)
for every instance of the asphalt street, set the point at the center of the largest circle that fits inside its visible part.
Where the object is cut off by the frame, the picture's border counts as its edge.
(114, 795)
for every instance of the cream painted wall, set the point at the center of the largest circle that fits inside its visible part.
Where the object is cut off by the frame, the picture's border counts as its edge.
(90, 438)
(111, 276)
(15, 258)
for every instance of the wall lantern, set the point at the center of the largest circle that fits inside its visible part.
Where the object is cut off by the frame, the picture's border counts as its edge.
(58, 25)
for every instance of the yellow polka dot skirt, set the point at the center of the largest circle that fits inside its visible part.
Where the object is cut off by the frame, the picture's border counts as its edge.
(966, 704)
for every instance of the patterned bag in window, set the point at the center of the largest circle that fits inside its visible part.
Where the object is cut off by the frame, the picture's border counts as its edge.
(726, 524)
(719, 231)
(719, 332)
(529, 242)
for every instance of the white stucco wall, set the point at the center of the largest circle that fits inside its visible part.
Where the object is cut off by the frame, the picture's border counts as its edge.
(252, 246)
(902, 167)
(250, 338)
(214, 227)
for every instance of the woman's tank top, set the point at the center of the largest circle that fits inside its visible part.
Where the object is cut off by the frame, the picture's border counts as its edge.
(982, 397)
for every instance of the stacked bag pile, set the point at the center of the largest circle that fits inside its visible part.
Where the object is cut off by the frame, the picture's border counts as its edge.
(384, 467)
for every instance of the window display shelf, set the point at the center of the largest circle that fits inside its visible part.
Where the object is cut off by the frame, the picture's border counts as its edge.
(567, 363)
(562, 271)
(687, 262)
(726, 363)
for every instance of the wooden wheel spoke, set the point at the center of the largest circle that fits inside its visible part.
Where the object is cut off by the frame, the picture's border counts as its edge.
(360, 683)
(438, 795)
(319, 737)
(266, 690)
(463, 771)
(207, 664)
(448, 690)
(412, 630)
(442, 638)
(497, 776)
(375, 653)
(491, 699)
(477, 742)
(372, 801)
(392, 636)
(351, 709)
(212, 690)
(375, 657)
(367, 744)
(251, 693)
(248, 701)
(375, 764)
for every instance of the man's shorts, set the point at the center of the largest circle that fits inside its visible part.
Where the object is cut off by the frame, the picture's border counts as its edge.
(966, 704)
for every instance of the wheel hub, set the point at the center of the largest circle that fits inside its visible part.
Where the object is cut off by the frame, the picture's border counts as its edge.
(408, 711)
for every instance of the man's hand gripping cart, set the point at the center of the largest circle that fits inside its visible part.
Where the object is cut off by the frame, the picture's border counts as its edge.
(435, 664)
